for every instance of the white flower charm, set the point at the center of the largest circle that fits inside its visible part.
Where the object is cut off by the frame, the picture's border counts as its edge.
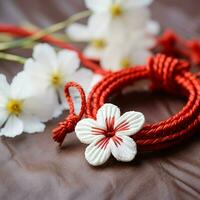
(18, 108)
(49, 71)
(110, 134)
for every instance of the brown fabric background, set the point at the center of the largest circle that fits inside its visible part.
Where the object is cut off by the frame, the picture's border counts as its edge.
(33, 167)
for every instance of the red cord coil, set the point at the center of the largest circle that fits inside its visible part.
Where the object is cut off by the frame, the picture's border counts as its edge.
(166, 73)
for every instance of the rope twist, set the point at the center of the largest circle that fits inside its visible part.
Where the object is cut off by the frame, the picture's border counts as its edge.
(163, 69)
(166, 73)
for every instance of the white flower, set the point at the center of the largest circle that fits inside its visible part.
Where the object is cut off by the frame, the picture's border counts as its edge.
(120, 14)
(110, 134)
(119, 33)
(115, 5)
(96, 79)
(99, 35)
(123, 54)
(95, 33)
(118, 50)
(49, 71)
(18, 107)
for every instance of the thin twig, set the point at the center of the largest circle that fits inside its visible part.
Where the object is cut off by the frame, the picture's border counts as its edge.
(11, 57)
(52, 29)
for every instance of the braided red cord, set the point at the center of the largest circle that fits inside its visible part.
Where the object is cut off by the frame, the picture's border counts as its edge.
(168, 74)
(172, 45)
(70, 122)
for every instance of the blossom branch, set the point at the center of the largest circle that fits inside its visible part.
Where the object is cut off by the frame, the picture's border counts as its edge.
(49, 30)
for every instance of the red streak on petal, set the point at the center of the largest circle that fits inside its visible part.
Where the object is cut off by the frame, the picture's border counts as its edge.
(110, 132)
(117, 140)
(110, 123)
(103, 143)
(123, 126)
(98, 131)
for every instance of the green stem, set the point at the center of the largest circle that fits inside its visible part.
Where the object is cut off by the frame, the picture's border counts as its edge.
(11, 57)
(5, 37)
(52, 29)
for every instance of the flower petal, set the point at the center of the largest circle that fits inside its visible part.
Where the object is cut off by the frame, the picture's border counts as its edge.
(129, 123)
(136, 3)
(57, 107)
(114, 54)
(141, 39)
(78, 32)
(58, 110)
(98, 26)
(3, 116)
(3, 101)
(88, 130)
(4, 86)
(38, 75)
(153, 27)
(13, 127)
(68, 61)
(96, 79)
(98, 152)
(135, 19)
(123, 148)
(40, 107)
(63, 98)
(107, 115)
(45, 54)
(84, 82)
(98, 6)
(37, 69)
(21, 87)
(94, 53)
(111, 61)
(32, 124)
(140, 56)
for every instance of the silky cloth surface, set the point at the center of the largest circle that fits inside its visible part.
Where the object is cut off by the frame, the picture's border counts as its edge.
(33, 167)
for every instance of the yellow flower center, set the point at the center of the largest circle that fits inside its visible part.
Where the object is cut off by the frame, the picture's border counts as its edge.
(56, 79)
(14, 107)
(125, 63)
(98, 43)
(116, 10)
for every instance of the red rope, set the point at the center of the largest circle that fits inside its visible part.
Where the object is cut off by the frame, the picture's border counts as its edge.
(172, 45)
(168, 43)
(168, 74)
(70, 122)
(22, 32)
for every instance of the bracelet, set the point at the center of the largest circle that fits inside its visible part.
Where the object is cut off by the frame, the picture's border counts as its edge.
(165, 73)
(123, 136)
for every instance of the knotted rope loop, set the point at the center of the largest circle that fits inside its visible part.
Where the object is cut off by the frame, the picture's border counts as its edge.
(168, 74)
(163, 69)
(194, 51)
(68, 125)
